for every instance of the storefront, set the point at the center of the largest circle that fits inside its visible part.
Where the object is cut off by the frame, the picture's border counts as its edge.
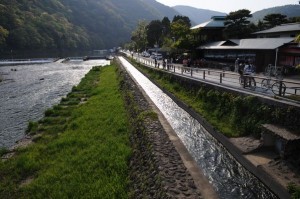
(260, 51)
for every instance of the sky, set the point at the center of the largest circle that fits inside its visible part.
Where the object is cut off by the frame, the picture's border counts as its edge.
(230, 5)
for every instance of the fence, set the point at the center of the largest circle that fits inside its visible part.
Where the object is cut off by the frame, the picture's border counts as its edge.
(265, 85)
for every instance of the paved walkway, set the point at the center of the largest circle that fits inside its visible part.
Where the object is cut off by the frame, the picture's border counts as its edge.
(230, 80)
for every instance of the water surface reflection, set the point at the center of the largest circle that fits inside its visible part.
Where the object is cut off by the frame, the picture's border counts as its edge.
(28, 90)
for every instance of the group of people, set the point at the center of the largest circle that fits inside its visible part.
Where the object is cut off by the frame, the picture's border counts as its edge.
(246, 68)
(165, 63)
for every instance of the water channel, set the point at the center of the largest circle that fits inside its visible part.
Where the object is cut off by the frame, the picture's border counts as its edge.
(28, 90)
(230, 179)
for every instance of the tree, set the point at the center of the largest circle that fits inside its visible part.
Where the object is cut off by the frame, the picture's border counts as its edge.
(261, 26)
(182, 33)
(166, 26)
(293, 19)
(3, 36)
(154, 33)
(139, 35)
(272, 20)
(185, 19)
(237, 24)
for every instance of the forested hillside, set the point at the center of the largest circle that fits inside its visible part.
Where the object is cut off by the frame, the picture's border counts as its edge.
(288, 10)
(73, 24)
(202, 15)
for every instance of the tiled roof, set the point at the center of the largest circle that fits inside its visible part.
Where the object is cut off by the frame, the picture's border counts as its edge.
(215, 22)
(257, 43)
(282, 28)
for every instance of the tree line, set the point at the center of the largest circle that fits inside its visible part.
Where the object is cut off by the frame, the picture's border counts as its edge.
(178, 35)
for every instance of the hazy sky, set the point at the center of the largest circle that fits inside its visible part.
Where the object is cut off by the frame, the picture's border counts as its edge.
(230, 5)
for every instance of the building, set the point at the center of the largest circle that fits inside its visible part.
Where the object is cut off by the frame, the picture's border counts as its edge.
(211, 30)
(282, 31)
(274, 46)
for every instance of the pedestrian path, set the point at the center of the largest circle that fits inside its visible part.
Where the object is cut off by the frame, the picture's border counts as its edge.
(264, 86)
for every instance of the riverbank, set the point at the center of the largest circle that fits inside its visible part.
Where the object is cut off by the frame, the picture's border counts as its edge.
(87, 147)
(79, 149)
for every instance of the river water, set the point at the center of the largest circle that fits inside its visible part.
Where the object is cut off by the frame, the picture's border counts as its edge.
(28, 90)
(230, 179)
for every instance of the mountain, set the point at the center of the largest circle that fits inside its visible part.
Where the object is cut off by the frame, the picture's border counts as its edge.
(202, 15)
(288, 10)
(73, 24)
(197, 15)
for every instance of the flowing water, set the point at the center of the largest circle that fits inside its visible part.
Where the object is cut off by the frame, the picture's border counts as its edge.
(230, 179)
(28, 90)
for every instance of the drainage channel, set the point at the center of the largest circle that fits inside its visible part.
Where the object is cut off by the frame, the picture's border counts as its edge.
(229, 178)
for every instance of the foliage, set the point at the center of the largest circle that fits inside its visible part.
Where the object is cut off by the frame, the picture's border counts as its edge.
(184, 19)
(293, 19)
(166, 26)
(232, 114)
(294, 190)
(290, 11)
(72, 25)
(167, 35)
(272, 20)
(181, 31)
(139, 36)
(154, 33)
(237, 24)
(3, 36)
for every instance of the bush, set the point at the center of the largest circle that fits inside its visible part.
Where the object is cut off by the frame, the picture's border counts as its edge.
(294, 190)
(32, 127)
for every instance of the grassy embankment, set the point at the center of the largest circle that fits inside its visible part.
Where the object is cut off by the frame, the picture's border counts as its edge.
(81, 148)
(233, 115)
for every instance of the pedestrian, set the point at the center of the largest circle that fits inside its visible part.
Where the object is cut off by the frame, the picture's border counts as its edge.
(155, 62)
(236, 65)
(249, 68)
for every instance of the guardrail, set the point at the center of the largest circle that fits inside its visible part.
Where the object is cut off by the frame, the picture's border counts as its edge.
(258, 83)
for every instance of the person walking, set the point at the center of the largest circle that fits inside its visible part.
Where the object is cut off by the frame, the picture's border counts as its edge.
(164, 64)
(236, 65)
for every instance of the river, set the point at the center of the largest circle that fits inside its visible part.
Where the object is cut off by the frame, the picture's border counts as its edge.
(28, 90)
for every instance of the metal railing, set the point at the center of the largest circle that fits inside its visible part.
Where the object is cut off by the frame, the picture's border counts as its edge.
(265, 85)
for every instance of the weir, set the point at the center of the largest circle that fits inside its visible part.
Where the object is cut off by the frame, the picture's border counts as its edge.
(229, 178)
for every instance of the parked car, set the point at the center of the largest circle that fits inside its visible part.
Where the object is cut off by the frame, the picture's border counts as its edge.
(159, 56)
(145, 54)
(153, 56)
